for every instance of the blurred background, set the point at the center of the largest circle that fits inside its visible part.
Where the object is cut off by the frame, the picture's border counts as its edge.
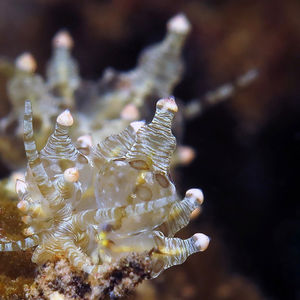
(248, 147)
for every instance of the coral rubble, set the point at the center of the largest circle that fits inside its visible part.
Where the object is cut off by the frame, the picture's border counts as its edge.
(59, 280)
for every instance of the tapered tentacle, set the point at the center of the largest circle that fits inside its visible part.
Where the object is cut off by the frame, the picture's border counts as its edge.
(155, 142)
(26, 204)
(41, 178)
(75, 255)
(116, 146)
(179, 215)
(59, 144)
(178, 29)
(24, 244)
(163, 61)
(80, 260)
(39, 255)
(114, 217)
(174, 251)
(67, 184)
(165, 252)
(23, 195)
(61, 154)
(92, 217)
(197, 106)
(62, 70)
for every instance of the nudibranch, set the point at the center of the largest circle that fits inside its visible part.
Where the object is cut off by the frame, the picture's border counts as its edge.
(96, 204)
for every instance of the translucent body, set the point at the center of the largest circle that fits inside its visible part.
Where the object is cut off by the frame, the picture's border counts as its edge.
(116, 199)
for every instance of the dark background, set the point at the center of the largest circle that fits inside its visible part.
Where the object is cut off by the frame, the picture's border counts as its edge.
(248, 147)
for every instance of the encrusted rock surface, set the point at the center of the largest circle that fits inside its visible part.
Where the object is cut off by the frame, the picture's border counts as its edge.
(59, 280)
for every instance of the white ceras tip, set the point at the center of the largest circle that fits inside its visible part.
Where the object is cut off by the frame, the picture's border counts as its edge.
(201, 241)
(195, 193)
(22, 206)
(186, 154)
(168, 104)
(63, 39)
(17, 176)
(130, 112)
(65, 118)
(26, 62)
(28, 231)
(85, 141)
(179, 24)
(20, 186)
(71, 175)
(137, 125)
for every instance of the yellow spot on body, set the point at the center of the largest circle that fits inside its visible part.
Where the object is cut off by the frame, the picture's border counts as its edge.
(141, 178)
(123, 249)
(102, 236)
(103, 240)
(166, 251)
(105, 243)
